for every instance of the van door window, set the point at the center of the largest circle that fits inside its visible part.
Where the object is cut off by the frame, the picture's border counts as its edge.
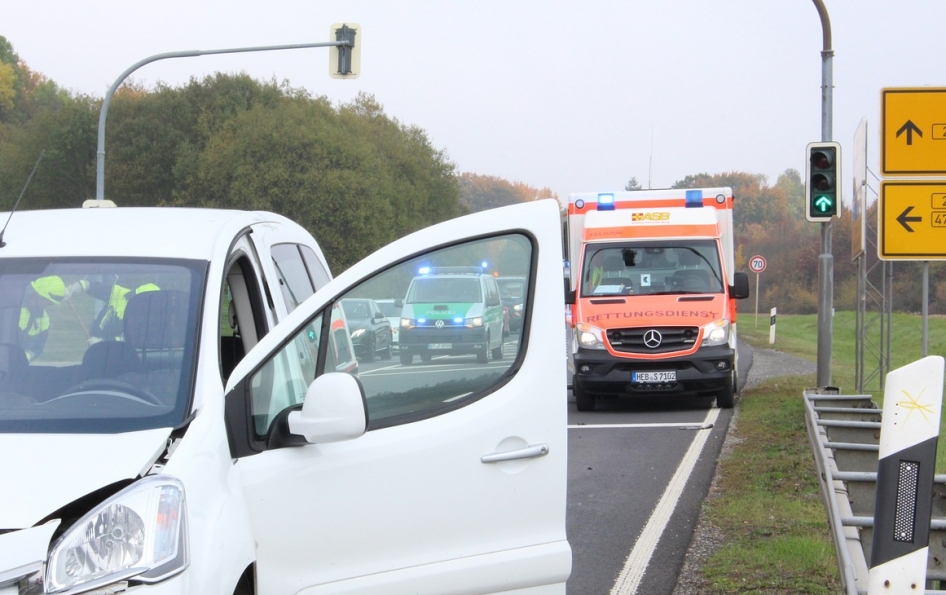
(295, 283)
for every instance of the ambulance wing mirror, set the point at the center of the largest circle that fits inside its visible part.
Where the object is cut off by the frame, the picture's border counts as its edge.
(569, 293)
(740, 287)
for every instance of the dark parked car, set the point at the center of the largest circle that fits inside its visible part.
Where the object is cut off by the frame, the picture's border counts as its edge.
(370, 329)
(512, 292)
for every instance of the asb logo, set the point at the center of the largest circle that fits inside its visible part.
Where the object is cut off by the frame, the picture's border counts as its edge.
(659, 216)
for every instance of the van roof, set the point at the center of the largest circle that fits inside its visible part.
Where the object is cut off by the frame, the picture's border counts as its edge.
(168, 232)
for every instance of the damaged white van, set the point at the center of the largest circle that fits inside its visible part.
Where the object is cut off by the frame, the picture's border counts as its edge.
(181, 411)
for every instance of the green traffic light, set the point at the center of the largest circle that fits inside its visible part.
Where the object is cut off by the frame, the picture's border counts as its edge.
(824, 203)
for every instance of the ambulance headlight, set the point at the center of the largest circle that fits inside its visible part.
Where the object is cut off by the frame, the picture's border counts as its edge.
(716, 333)
(139, 532)
(589, 337)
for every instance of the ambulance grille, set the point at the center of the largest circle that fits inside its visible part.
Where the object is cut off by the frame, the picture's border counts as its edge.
(662, 339)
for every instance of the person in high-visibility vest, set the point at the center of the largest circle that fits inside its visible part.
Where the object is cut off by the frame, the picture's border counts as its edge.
(107, 325)
(34, 320)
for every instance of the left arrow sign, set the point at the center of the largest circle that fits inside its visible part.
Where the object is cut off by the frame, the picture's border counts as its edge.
(905, 221)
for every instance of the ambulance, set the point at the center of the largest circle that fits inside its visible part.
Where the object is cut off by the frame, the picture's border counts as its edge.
(653, 292)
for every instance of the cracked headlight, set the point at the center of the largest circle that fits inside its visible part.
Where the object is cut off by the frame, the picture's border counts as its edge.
(139, 532)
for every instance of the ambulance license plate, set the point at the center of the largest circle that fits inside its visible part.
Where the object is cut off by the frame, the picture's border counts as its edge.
(655, 376)
(440, 346)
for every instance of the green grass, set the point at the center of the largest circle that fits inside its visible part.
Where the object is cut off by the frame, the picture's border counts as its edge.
(767, 501)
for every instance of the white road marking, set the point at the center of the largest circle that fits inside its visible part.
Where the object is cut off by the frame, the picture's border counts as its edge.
(636, 564)
(682, 425)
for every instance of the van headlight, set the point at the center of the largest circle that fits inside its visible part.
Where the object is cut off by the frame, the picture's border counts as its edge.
(589, 337)
(139, 532)
(716, 333)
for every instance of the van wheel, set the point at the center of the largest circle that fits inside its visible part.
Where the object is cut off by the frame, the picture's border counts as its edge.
(482, 356)
(583, 400)
(406, 358)
(726, 397)
(498, 352)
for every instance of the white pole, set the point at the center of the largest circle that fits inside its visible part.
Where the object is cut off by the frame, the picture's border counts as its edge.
(772, 327)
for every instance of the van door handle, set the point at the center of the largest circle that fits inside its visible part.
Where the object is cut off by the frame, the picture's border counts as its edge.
(530, 452)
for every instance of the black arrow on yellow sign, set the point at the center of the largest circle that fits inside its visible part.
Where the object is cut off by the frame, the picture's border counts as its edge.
(909, 127)
(905, 221)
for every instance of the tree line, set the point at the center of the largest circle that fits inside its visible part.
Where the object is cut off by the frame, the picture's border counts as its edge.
(354, 176)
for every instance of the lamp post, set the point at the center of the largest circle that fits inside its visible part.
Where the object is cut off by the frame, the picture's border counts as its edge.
(825, 259)
(345, 42)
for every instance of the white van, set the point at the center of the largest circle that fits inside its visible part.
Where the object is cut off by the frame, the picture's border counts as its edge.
(190, 417)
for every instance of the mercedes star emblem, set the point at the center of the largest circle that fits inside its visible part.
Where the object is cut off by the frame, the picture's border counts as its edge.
(652, 339)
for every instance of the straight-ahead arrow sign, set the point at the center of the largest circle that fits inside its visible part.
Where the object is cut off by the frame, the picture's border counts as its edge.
(912, 121)
(909, 127)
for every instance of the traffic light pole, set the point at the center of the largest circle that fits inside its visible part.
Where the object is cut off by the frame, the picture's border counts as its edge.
(825, 259)
(100, 155)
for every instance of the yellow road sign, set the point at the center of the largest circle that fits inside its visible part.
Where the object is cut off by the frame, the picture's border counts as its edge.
(913, 132)
(912, 221)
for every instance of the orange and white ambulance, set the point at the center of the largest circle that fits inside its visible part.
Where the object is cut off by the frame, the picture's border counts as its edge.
(653, 294)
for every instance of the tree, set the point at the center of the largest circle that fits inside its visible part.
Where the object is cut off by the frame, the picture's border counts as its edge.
(632, 184)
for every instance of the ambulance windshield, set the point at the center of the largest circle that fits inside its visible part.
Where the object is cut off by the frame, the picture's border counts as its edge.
(97, 346)
(654, 267)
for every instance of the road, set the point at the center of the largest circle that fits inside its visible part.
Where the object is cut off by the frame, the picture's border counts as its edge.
(638, 472)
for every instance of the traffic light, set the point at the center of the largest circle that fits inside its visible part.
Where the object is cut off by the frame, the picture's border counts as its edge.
(822, 194)
(344, 62)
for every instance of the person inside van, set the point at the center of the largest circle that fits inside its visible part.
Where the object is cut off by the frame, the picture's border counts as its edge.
(34, 319)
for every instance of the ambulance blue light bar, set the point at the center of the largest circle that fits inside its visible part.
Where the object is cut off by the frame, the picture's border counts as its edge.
(606, 202)
(694, 199)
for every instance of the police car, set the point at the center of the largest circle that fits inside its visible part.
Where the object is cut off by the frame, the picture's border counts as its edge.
(219, 436)
(451, 310)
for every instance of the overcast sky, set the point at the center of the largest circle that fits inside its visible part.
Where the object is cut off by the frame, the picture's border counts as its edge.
(574, 96)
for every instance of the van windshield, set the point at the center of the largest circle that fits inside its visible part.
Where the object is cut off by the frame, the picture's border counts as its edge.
(428, 290)
(653, 267)
(97, 346)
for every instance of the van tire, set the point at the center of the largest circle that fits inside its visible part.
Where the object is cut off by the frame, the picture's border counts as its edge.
(583, 400)
(726, 397)
(498, 352)
(406, 358)
(482, 356)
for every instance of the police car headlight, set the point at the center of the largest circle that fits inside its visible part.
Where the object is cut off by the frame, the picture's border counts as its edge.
(478, 321)
(139, 532)
(716, 333)
(407, 323)
(357, 333)
(589, 337)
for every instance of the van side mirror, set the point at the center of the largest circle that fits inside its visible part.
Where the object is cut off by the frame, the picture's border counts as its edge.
(399, 303)
(740, 286)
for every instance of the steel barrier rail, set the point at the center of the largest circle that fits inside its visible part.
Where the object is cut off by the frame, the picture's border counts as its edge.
(844, 432)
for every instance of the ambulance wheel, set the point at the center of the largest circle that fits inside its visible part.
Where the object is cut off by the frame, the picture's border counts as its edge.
(583, 400)
(406, 358)
(726, 397)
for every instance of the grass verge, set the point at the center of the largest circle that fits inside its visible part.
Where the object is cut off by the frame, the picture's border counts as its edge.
(766, 500)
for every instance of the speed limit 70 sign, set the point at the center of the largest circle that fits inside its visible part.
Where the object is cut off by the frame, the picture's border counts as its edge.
(757, 264)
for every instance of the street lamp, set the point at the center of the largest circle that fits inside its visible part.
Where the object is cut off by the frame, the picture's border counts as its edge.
(347, 40)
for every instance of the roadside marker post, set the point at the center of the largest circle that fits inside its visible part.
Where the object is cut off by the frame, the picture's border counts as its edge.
(913, 398)
(772, 327)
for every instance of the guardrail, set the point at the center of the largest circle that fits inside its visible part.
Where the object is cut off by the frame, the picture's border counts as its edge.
(844, 432)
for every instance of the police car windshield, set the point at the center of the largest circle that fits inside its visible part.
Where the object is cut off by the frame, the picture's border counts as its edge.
(97, 346)
(427, 290)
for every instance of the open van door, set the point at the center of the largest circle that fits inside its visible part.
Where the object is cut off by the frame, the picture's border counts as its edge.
(447, 476)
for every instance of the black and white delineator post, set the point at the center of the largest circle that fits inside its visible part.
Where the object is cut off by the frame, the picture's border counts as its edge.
(909, 429)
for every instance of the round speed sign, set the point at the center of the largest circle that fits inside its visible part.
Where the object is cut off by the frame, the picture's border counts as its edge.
(757, 264)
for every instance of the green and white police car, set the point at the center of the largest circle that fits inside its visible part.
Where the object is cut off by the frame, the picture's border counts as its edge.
(451, 311)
